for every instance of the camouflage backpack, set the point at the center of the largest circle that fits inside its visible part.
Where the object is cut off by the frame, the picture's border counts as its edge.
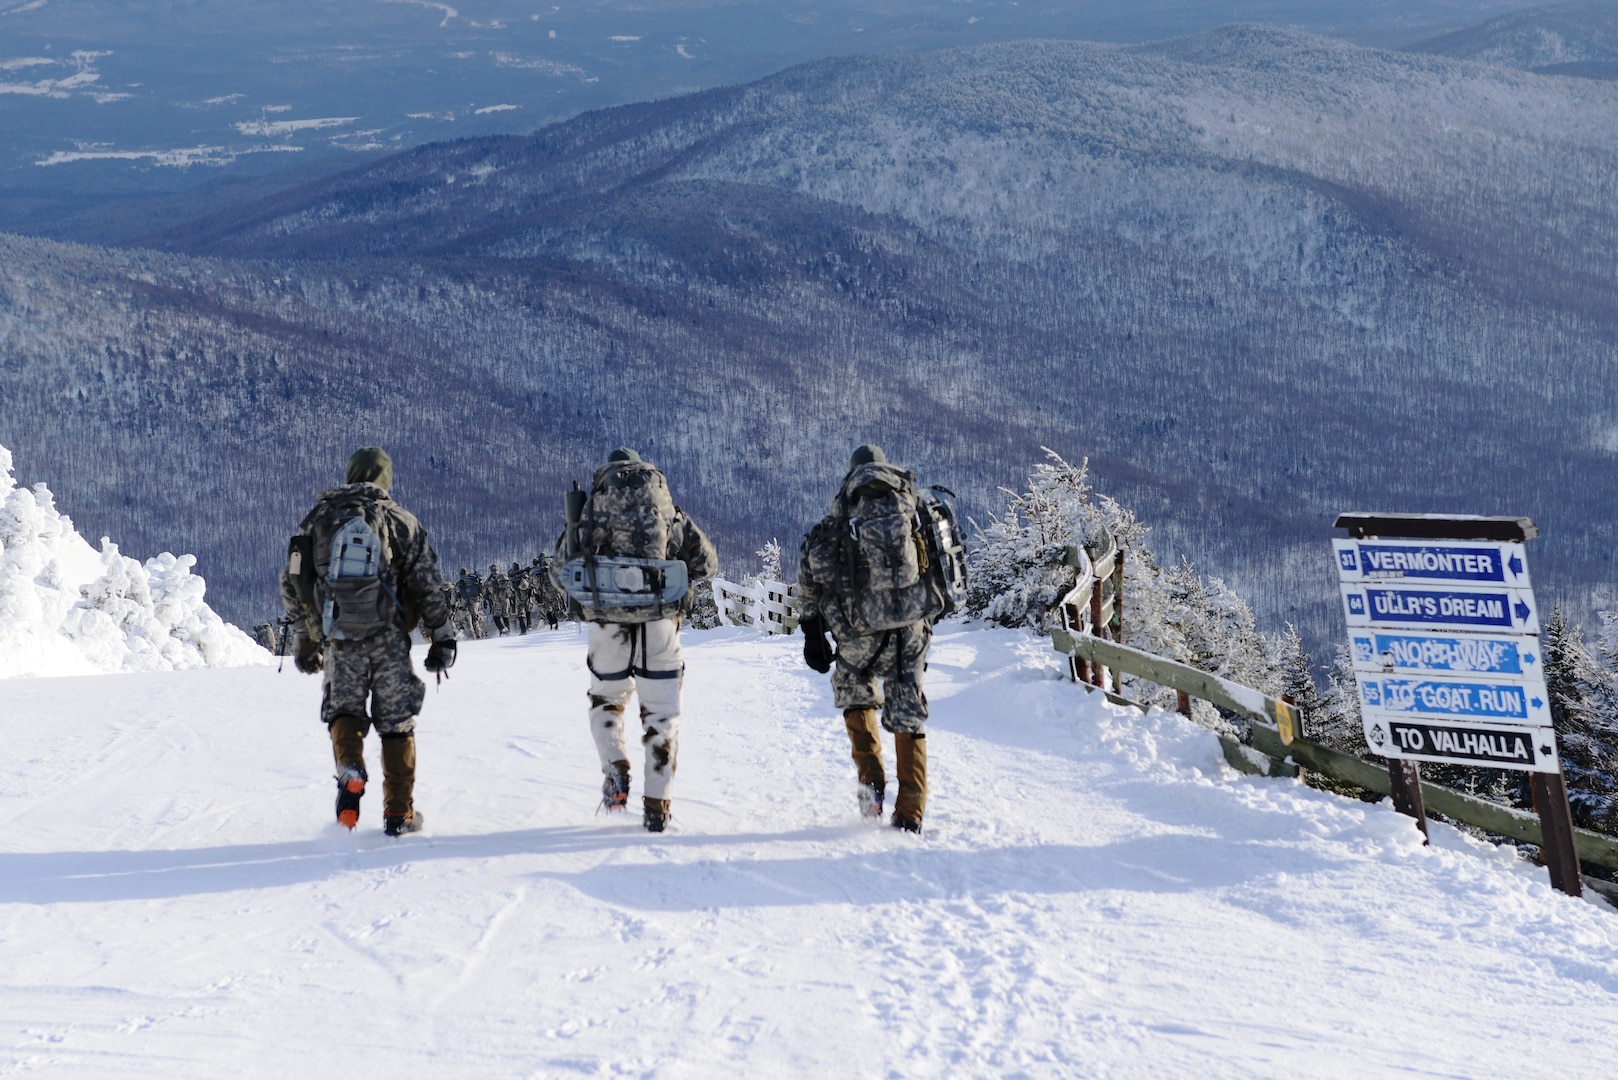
(351, 565)
(871, 554)
(630, 511)
(622, 573)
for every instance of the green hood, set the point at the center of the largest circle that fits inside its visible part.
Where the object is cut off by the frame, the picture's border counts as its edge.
(371, 465)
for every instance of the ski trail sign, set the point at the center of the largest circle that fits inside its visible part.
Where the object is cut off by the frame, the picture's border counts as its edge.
(1432, 562)
(1395, 606)
(1443, 630)
(1459, 655)
(1481, 702)
(1531, 749)
(1444, 638)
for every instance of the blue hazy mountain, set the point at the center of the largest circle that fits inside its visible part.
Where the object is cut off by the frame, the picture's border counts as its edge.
(1257, 276)
(1579, 39)
(102, 100)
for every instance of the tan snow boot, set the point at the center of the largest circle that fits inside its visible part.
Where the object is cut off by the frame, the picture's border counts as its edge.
(912, 800)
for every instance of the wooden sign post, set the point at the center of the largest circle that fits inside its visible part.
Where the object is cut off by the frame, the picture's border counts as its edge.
(1444, 638)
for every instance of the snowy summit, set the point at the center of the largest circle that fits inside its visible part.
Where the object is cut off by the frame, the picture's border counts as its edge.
(1096, 894)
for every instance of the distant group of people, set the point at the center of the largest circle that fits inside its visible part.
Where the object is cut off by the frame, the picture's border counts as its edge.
(360, 577)
(480, 606)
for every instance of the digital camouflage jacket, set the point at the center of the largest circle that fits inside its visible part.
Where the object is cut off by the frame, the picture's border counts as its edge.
(411, 572)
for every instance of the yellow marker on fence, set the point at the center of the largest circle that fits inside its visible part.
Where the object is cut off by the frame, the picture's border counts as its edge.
(1286, 721)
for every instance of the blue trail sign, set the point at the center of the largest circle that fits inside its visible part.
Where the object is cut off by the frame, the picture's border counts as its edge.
(1488, 745)
(1480, 701)
(1411, 652)
(1423, 607)
(1432, 562)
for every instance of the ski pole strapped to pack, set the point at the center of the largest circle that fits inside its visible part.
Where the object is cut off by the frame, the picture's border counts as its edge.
(621, 589)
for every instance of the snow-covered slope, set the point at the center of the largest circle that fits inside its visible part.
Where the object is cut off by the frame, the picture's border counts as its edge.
(1094, 895)
(66, 609)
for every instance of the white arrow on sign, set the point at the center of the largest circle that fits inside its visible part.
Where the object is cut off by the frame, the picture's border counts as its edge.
(1432, 562)
(1447, 742)
(1414, 652)
(1429, 607)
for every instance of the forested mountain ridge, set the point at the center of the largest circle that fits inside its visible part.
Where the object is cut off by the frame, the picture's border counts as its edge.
(1562, 39)
(1258, 276)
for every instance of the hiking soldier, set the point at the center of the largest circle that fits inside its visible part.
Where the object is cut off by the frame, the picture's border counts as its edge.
(551, 600)
(360, 576)
(497, 591)
(522, 587)
(469, 591)
(877, 572)
(628, 557)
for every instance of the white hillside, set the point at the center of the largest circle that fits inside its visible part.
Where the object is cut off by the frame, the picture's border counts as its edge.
(1095, 895)
(67, 609)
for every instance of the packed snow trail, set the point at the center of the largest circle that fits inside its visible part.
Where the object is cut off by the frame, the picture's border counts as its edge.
(1095, 895)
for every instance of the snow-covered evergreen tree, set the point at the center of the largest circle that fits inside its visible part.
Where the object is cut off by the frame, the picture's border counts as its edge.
(1019, 573)
(704, 610)
(770, 560)
(1336, 723)
(1584, 709)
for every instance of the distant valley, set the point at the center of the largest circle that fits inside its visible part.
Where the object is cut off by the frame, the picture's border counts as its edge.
(1257, 276)
(109, 109)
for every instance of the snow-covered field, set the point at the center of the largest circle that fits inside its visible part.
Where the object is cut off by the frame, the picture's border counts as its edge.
(1094, 896)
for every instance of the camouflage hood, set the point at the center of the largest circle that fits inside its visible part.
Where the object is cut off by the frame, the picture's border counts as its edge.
(872, 472)
(354, 494)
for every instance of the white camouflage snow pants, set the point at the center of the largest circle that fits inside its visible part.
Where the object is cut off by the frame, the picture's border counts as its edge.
(643, 659)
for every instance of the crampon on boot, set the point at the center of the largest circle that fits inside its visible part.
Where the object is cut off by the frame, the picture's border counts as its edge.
(871, 797)
(655, 816)
(907, 824)
(615, 788)
(350, 786)
(399, 824)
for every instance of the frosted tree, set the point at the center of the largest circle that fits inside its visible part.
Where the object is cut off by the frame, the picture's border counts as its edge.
(1584, 710)
(704, 610)
(1019, 573)
(770, 559)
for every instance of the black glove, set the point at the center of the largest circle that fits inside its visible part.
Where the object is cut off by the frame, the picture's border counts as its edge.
(308, 659)
(440, 656)
(816, 649)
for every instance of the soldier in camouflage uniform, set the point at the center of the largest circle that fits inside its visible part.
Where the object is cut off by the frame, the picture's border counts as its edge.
(847, 593)
(498, 592)
(522, 591)
(469, 592)
(638, 656)
(550, 599)
(356, 628)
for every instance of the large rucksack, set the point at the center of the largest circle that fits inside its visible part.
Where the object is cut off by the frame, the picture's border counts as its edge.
(888, 556)
(630, 511)
(624, 574)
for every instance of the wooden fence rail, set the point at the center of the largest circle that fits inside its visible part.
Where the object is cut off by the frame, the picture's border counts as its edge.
(1274, 745)
(772, 606)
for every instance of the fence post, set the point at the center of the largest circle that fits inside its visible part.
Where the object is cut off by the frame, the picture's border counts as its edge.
(1118, 598)
(1556, 830)
(1405, 777)
(1098, 674)
(1182, 701)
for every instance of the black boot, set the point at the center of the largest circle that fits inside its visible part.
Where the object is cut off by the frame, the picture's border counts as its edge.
(350, 786)
(615, 788)
(656, 814)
